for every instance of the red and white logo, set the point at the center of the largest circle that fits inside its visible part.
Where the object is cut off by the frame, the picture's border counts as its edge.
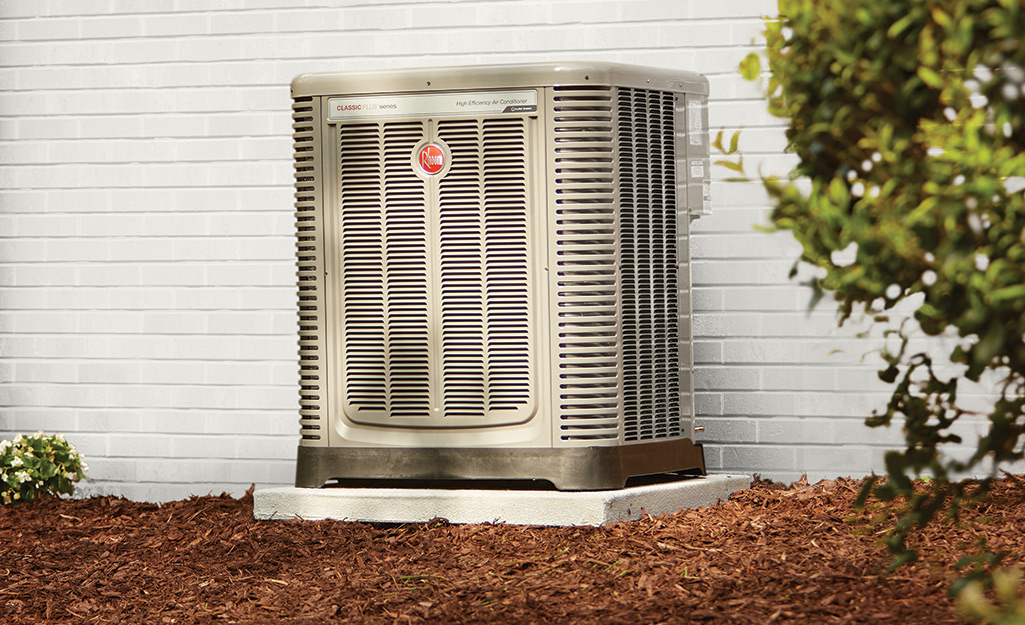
(431, 158)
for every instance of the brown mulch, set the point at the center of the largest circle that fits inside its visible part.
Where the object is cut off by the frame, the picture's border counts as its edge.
(768, 555)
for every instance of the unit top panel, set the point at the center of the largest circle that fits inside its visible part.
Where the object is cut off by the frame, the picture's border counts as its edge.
(473, 77)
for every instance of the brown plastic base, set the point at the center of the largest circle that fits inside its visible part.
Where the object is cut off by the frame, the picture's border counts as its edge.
(572, 468)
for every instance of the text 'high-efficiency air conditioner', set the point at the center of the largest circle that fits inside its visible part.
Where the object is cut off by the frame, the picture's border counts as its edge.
(494, 272)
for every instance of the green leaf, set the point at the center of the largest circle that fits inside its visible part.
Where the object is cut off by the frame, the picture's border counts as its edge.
(941, 18)
(900, 25)
(717, 142)
(1009, 293)
(751, 66)
(930, 77)
(738, 167)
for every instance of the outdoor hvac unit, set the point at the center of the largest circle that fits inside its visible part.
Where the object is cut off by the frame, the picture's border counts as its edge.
(494, 275)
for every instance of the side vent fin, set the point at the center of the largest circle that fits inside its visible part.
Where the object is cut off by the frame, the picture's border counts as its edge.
(588, 349)
(649, 264)
(309, 260)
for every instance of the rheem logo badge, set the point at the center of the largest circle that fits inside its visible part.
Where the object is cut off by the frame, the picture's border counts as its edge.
(431, 159)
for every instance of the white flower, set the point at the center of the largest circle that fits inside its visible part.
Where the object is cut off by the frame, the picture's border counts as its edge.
(4, 446)
(19, 438)
(22, 477)
(17, 462)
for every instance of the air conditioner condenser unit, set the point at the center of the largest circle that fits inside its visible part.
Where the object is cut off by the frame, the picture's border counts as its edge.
(494, 272)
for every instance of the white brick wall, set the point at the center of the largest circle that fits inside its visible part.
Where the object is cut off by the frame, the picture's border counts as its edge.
(146, 269)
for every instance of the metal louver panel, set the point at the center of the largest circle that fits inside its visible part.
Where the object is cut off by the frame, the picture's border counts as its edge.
(435, 286)
(309, 257)
(588, 351)
(384, 272)
(484, 252)
(649, 263)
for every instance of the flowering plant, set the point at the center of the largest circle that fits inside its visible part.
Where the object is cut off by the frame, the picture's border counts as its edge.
(38, 466)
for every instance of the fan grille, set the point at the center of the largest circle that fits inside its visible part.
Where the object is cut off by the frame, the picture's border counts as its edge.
(435, 289)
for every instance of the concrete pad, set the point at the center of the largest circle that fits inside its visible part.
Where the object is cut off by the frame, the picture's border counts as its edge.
(514, 507)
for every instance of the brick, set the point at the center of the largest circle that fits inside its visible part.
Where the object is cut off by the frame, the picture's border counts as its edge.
(239, 323)
(109, 322)
(856, 432)
(205, 298)
(727, 378)
(707, 352)
(255, 422)
(48, 420)
(471, 15)
(791, 431)
(172, 274)
(306, 20)
(206, 396)
(706, 300)
(267, 397)
(839, 404)
(716, 273)
(707, 403)
(89, 445)
(108, 469)
(181, 372)
(44, 275)
(200, 446)
(247, 23)
(797, 324)
(104, 421)
(177, 322)
(846, 460)
(266, 447)
(237, 373)
(114, 27)
(68, 250)
(727, 430)
(800, 378)
(713, 457)
(158, 422)
(189, 24)
(761, 403)
(373, 18)
(736, 9)
(174, 470)
(759, 351)
(709, 325)
(746, 458)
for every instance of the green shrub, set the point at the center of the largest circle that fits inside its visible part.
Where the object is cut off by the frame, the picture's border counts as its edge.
(38, 466)
(908, 121)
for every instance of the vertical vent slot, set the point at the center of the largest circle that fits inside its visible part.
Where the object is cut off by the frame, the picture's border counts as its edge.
(309, 258)
(649, 264)
(485, 339)
(588, 345)
(384, 266)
